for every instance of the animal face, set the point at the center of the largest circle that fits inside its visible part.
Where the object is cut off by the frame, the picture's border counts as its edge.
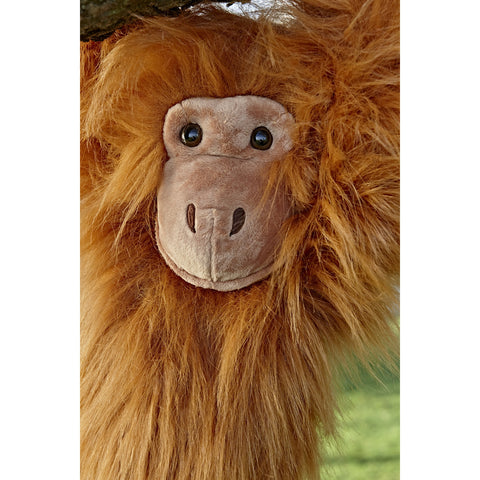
(215, 226)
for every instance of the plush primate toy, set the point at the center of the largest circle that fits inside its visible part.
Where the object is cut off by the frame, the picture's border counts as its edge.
(240, 235)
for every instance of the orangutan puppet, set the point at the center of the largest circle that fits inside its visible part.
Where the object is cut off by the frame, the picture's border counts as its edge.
(240, 235)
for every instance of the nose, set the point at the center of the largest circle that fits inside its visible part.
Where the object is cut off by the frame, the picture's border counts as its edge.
(238, 219)
(191, 217)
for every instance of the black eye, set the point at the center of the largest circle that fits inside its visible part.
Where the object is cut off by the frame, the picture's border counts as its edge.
(191, 135)
(261, 138)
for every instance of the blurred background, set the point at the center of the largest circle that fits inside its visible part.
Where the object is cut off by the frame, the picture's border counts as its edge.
(369, 445)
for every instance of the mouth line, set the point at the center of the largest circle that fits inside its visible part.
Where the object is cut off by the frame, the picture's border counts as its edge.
(219, 285)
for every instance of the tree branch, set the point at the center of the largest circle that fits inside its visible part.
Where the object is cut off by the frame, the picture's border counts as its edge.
(100, 18)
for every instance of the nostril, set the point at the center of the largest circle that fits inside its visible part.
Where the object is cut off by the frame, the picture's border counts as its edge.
(191, 217)
(238, 220)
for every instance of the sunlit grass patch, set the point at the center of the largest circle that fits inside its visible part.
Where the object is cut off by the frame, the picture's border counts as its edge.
(370, 433)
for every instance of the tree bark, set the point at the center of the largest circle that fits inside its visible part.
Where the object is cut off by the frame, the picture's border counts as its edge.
(100, 18)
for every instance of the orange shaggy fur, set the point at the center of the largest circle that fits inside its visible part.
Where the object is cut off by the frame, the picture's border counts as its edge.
(184, 383)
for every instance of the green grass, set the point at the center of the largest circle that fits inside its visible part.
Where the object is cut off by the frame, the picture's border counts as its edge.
(369, 430)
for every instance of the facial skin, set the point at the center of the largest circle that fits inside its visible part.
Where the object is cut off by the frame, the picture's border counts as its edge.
(215, 227)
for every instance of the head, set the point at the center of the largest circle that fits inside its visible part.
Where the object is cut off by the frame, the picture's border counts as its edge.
(214, 227)
(327, 188)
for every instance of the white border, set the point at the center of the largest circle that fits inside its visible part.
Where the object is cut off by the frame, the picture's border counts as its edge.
(39, 341)
(440, 240)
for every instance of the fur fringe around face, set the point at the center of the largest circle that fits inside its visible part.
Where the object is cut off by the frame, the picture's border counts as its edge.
(183, 383)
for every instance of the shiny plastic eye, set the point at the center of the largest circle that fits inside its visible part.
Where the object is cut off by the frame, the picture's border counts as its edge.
(191, 135)
(261, 138)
